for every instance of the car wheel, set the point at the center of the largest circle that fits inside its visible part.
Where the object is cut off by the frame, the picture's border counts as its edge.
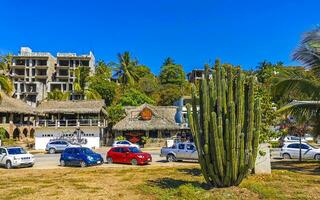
(134, 162)
(286, 156)
(83, 164)
(8, 164)
(171, 158)
(62, 163)
(317, 157)
(52, 151)
(109, 160)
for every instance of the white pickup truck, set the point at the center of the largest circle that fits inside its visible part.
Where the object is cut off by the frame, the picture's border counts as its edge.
(180, 151)
(15, 157)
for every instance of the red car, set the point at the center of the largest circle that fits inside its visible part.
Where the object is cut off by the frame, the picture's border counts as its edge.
(128, 155)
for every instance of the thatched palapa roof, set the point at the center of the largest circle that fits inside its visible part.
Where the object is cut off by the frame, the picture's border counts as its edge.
(12, 105)
(77, 107)
(163, 118)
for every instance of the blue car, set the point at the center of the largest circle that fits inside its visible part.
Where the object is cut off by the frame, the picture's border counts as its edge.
(80, 156)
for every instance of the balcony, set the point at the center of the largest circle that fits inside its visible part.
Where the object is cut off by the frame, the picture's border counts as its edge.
(14, 75)
(62, 75)
(41, 76)
(64, 67)
(71, 123)
(41, 67)
(17, 67)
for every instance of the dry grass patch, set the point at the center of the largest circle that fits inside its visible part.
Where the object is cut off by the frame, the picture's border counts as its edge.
(156, 183)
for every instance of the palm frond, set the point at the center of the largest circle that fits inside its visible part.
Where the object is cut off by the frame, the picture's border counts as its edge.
(287, 85)
(5, 84)
(92, 94)
(301, 109)
(308, 52)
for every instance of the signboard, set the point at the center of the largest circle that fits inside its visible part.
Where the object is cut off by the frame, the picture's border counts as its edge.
(134, 137)
(146, 114)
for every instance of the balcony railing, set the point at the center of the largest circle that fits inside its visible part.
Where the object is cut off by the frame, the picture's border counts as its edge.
(71, 123)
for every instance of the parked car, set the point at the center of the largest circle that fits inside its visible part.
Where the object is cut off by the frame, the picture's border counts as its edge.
(15, 157)
(80, 156)
(55, 146)
(291, 150)
(129, 155)
(308, 137)
(124, 143)
(291, 138)
(180, 151)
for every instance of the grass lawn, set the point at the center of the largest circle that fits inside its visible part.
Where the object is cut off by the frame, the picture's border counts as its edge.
(289, 180)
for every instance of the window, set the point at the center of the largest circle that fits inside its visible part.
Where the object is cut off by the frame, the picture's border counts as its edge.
(190, 147)
(181, 146)
(124, 150)
(2, 151)
(116, 150)
(294, 138)
(124, 142)
(15, 151)
(86, 151)
(68, 150)
(63, 143)
(56, 142)
(303, 146)
(134, 150)
(294, 146)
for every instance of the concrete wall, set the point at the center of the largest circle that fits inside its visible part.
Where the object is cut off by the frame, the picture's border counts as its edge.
(91, 136)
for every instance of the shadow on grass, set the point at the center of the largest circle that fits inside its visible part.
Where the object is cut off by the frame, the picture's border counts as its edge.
(191, 171)
(170, 183)
(309, 167)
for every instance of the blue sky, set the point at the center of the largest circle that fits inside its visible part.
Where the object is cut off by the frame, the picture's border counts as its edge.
(192, 32)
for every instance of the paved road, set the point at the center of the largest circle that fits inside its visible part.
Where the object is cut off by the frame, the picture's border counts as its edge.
(51, 161)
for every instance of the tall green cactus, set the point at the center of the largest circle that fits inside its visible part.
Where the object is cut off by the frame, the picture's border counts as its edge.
(225, 121)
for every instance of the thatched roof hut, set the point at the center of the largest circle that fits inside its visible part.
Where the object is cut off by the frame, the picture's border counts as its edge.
(12, 105)
(76, 107)
(162, 118)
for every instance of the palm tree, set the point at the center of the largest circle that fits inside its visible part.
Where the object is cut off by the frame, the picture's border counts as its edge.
(81, 84)
(308, 53)
(125, 69)
(58, 95)
(5, 83)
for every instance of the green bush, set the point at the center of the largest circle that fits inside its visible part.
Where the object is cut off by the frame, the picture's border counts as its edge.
(275, 144)
(2, 134)
(120, 138)
(144, 139)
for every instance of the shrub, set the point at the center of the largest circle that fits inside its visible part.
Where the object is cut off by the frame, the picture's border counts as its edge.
(120, 138)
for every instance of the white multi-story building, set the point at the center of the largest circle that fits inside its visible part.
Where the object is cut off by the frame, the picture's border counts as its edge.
(37, 73)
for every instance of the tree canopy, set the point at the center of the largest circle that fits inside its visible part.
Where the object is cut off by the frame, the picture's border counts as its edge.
(172, 74)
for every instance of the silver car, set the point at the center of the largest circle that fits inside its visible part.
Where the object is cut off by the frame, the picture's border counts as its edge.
(59, 146)
(292, 150)
(180, 151)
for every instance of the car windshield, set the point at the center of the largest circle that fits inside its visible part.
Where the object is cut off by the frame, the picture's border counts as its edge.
(15, 151)
(134, 150)
(86, 151)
